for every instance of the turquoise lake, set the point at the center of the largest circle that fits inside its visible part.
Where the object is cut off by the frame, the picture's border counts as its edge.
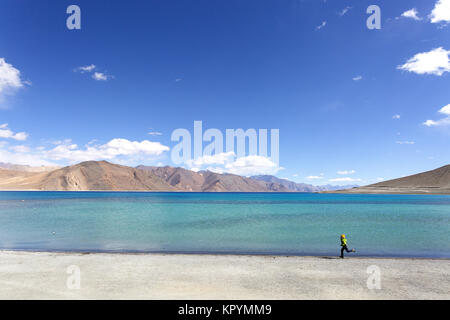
(256, 223)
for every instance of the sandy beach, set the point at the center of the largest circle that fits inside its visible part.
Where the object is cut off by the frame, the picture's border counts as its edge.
(44, 275)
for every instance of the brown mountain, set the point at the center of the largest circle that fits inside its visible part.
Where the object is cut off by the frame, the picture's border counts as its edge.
(179, 178)
(16, 180)
(102, 175)
(207, 181)
(91, 175)
(431, 182)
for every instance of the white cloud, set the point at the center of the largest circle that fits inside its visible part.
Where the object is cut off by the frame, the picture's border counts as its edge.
(227, 162)
(445, 110)
(411, 14)
(20, 149)
(20, 154)
(97, 75)
(441, 12)
(442, 122)
(6, 133)
(346, 172)
(126, 147)
(155, 133)
(396, 116)
(9, 79)
(21, 136)
(108, 151)
(84, 69)
(222, 158)
(322, 25)
(314, 177)
(405, 142)
(252, 165)
(65, 141)
(30, 159)
(346, 179)
(357, 78)
(64, 151)
(100, 76)
(344, 11)
(435, 62)
(430, 123)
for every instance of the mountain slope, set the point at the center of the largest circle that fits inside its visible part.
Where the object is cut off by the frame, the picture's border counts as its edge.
(17, 180)
(91, 175)
(178, 178)
(102, 175)
(207, 181)
(430, 182)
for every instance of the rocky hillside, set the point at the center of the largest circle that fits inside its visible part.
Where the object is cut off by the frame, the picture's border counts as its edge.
(207, 181)
(431, 182)
(91, 175)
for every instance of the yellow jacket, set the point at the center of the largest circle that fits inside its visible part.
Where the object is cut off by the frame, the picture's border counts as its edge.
(343, 242)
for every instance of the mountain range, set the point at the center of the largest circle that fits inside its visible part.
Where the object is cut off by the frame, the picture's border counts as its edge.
(103, 175)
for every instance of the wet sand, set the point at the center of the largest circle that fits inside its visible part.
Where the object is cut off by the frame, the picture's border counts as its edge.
(43, 275)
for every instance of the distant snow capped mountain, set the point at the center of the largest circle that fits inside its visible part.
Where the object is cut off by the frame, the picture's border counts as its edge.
(300, 187)
(329, 187)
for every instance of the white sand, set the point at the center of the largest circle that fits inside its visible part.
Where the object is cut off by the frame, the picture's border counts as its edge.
(27, 275)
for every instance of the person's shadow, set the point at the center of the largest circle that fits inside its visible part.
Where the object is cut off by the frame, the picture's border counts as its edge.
(330, 258)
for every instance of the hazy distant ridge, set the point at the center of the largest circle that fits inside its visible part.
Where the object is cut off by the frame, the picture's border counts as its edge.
(300, 187)
(18, 167)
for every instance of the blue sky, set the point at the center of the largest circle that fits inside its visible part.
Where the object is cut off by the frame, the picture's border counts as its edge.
(345, 98)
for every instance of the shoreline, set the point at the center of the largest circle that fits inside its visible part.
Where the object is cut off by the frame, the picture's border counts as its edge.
(44, 275)
(231, 254)
(344, 192)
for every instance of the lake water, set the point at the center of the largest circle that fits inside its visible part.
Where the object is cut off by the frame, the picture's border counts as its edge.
(258, 223)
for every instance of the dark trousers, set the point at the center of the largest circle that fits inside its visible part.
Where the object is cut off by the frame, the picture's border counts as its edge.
(342, 250)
